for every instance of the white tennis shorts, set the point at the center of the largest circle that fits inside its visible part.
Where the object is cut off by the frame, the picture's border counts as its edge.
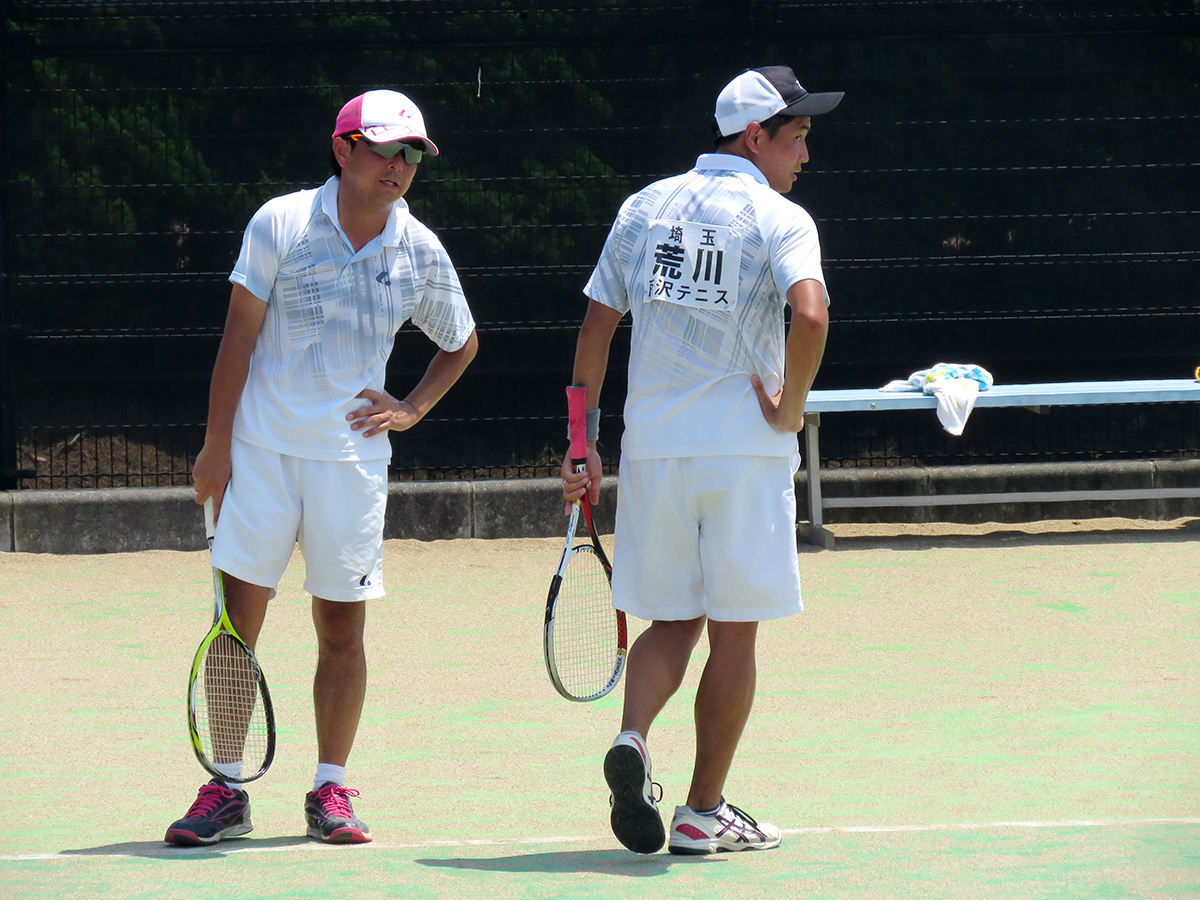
(706, 536)
(333, 510)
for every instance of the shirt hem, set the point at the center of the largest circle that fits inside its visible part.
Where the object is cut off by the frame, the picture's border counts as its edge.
(708, 450)
(311, 453)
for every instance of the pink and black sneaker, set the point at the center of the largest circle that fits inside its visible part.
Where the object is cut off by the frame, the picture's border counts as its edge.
(219, 812)
(330, 816)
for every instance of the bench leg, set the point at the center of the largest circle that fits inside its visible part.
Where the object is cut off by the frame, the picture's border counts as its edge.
(813, 532)
(817, 537)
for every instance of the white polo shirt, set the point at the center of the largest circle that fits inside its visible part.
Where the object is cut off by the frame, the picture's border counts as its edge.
(703, 262)
(332, 315)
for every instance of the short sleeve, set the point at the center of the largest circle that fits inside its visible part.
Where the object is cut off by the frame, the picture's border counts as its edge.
(796, 251)
(263, 247)
(442, 312)
(607, 284)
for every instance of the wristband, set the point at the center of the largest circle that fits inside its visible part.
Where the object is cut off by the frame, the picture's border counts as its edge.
(591, 430)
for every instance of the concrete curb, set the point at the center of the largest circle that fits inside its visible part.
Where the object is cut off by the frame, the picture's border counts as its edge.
(1013, 477)
(121, 520)
(125, 520)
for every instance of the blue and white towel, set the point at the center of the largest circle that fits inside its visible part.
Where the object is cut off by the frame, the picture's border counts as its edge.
(955, 385)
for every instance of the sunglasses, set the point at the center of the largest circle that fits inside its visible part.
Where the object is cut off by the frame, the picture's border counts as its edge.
(412, 155)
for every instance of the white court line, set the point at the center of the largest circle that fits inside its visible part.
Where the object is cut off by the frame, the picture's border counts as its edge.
(980, 826)
(237, 846)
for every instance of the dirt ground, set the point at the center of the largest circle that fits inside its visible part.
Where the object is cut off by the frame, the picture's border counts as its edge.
(1004, 711)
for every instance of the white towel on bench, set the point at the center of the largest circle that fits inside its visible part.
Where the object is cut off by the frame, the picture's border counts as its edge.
(955, 385)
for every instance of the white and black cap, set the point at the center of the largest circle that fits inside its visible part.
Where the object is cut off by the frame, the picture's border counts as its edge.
(758, 94)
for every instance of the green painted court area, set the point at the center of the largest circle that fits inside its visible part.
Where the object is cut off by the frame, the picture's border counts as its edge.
(1009, 712)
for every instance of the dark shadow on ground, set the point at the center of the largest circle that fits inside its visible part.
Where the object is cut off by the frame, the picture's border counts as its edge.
(567, 862)
(1046, 534)
(162, 850)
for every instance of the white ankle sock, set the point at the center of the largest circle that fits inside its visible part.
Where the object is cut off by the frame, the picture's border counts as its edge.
(708, 812)
(231, 770)
(327, 772)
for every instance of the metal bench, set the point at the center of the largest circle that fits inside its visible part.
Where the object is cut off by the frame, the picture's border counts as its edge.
(1029, 396)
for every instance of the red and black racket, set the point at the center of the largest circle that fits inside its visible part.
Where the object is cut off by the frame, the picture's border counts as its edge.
(585, 640)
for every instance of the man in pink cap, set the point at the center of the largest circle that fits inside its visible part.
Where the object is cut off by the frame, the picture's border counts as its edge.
(296, 447)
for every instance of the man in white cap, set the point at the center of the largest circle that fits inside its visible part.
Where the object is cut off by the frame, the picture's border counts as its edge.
(705, 263)
(296, 447)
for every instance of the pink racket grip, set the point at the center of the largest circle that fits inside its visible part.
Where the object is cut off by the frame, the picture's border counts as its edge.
(577, 424)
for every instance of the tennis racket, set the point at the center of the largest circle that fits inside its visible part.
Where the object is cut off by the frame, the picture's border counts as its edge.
(230, 718)
(585, 640)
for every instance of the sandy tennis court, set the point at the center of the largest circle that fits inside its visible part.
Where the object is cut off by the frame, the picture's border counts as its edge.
(1007, 711)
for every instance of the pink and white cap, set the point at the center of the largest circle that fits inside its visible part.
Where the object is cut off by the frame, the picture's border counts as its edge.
(384, 116)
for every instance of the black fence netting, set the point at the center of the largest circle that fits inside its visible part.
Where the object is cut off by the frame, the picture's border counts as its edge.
(1013, 184)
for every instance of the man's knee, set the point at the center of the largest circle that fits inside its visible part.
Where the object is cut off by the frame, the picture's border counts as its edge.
(339, 626)
(738, 637)
(684, 631)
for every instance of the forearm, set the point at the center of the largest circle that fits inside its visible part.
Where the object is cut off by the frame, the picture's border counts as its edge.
(592, 348)
(446, 367)
(229, 376)
(804, 350)
(213, 464)
(591, 364)
(232, 366)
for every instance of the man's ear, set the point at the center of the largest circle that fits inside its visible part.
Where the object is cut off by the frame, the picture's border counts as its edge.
(341, 150)
(754, 137)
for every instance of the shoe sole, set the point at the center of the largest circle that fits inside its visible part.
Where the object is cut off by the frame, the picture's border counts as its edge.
(341, 836)
(182, 838)
(717, 847)
(635, 822)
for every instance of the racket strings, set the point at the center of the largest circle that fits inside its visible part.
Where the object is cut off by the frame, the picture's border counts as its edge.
(585, 625)
(230, 719)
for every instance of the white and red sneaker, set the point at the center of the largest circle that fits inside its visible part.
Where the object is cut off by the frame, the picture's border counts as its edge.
(635, 818)
(727, 829)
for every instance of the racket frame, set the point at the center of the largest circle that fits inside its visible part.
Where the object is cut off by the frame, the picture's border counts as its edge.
(222, 625)
(582, 508)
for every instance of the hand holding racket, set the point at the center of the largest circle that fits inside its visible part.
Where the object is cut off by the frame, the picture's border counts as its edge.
(230, 718)
(584, 640)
